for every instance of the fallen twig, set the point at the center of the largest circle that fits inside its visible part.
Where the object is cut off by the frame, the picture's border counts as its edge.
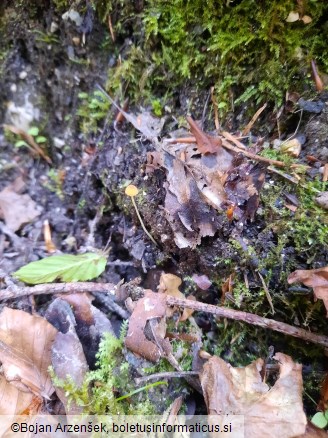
(107, 300)
(250, 318)
(240, 149)
(233, 139)
(56, 288)
(248, 154)
(165, 375)
(250, 124)
(223, 312)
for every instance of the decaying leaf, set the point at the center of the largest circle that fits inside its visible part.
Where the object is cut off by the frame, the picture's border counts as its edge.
(315, 278)
(16, 209)
(275, 412)
(69, 268)
(25, 344)
(67, 356)
(194, 190)
(150, 307)
(202, 180)
(205, 143)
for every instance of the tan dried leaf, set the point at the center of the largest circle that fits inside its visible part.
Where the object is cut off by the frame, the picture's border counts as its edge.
(241, 391)
(315, 278)
(151, 306)
(25, 344)
(16, 209)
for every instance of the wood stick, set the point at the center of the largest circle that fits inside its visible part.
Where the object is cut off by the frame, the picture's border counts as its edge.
(56, 288)
(233, 139)
(248, 154)
(250, 124)
(223, 312)
(250, 318)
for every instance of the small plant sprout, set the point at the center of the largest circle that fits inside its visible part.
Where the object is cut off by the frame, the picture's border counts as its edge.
(132, 191)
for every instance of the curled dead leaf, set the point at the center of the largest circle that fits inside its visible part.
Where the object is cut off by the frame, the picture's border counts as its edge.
(152, 306)
(241, 391)
(25, 351)
(315, 278)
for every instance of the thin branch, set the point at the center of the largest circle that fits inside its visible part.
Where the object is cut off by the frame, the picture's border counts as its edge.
(250, 124)
(165, 375)
(223, 312)
(250, 318)
(250, 155)
(56, 288)
(107, 300)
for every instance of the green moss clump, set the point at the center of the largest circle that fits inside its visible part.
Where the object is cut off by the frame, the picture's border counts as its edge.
(245, 48)
(101, 388)
(93, 109)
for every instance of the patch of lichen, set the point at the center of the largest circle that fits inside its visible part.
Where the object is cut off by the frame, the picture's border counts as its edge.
(246, 49)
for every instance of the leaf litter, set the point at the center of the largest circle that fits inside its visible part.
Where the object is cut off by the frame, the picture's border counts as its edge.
(15, 208)
(315, 278)
(205, 177)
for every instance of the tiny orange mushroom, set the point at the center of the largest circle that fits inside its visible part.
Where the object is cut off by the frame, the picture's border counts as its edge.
(132, 191)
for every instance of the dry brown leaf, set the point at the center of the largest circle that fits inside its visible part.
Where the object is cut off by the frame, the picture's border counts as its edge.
(315, 278)
(16, 209)
(12, 400)
(25, 344)
(275, 412)
(194, 187)
(205, 143)
(150, 307)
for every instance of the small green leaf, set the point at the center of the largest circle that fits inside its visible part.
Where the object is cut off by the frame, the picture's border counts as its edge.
(319, 420)
(68, 268)
(20, 143)
(34, 131)
(40, 139)
(83, 95)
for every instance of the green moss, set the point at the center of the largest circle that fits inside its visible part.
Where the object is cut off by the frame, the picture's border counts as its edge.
(109, 381)
(246, 49)
(93, 109)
